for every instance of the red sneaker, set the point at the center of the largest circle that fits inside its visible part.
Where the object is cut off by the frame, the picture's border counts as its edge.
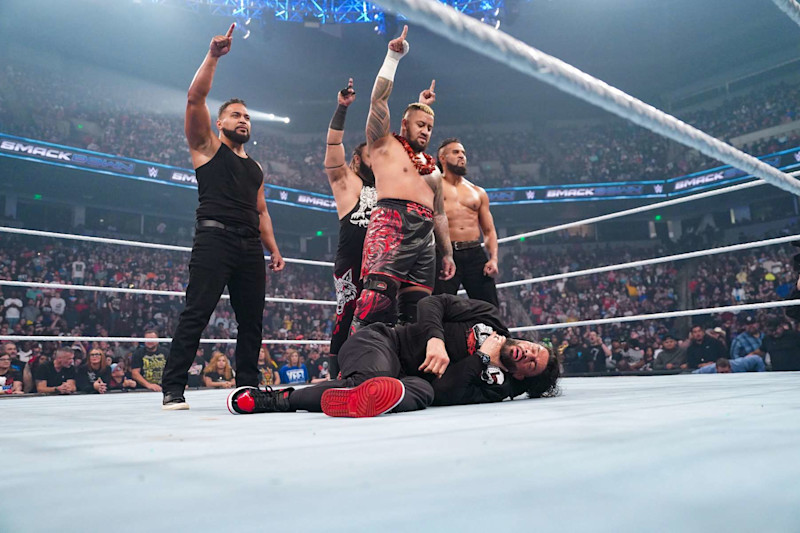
(372, 398)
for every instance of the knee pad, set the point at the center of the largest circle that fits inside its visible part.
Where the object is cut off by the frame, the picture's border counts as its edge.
(407, 303)
(377, 302)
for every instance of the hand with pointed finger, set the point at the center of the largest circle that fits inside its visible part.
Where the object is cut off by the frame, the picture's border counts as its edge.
(436, 358)
(399, 45)
(428, 97)
(347, 95)
(221, 44)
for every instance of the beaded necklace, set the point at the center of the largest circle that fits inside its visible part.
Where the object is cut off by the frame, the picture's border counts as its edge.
(424, 169)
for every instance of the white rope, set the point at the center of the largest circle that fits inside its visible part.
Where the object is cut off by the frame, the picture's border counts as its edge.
(790, 7)
(482, 38)
(657, 316)
(73, 338)
(654, 261)
(121, 242)
(635, 210)
(65, 286)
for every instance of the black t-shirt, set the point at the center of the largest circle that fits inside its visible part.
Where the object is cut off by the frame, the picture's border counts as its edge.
(7, 381)
(597, 355)
(216, 377)
(47, 372)
(317, 369)
(576, 358)
(196, 372)
(151, 364)
(707, 351)
(85, 378)
(784, 351)
(112, 385)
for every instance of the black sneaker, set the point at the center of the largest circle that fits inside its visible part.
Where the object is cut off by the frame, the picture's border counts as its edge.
(174, 401)
(248, 400)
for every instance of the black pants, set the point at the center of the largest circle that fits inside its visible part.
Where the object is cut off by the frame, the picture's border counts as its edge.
(370, 352)
(220, 258)
(469, 272)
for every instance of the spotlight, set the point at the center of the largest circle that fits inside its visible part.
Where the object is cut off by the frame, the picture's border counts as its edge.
(246, 35)
(247, 22)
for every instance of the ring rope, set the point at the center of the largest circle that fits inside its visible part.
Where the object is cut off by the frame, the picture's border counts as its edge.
(495, 44)
(65, 286)
(790, 7)
(74, 338)
(656, 316)
(121, 242)
(654, 261)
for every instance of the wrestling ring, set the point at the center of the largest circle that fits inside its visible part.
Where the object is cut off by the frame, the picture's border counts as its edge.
(676, 453)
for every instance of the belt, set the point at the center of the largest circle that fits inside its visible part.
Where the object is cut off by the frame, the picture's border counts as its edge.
(465, 245)
(238, 230)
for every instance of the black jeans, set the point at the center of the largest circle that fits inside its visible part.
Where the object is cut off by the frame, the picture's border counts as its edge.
(371, 352)
(469, 272)
(220, 258)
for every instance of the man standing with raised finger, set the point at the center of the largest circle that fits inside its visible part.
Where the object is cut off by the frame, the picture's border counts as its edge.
(399, 262)
(232, 225)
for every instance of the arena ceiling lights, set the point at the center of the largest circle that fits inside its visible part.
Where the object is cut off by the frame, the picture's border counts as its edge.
(314, 13)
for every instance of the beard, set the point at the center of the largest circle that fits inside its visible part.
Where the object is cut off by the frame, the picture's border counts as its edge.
(416, 146)
(236, 136)
(505, 355)
(457, 170)
(365, 173)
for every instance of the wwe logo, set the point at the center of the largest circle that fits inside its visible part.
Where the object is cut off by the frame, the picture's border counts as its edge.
(530, 194)
(658, 188)
(152, 172)
(284, 195)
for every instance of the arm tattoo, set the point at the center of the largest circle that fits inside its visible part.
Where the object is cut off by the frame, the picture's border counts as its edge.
(441, 228)
(378, 124)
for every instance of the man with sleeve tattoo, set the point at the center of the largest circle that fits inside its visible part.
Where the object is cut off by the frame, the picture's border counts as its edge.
(468, 215)
(353, 189)
(407, 368)
(399, 262)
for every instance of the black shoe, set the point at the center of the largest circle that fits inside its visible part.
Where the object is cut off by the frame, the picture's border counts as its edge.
(174, 401)
(248, 400)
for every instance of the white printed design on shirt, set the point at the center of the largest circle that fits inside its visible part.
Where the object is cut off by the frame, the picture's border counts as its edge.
(345, 290)
(367, 200)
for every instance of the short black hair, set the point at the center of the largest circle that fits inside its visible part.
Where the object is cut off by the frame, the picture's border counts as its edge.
(449, 140)
(544, 385)
(225, 105)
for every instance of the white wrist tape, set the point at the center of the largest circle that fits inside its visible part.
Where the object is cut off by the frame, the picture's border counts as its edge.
(390, 63)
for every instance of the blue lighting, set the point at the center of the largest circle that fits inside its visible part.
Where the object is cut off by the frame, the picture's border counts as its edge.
(325, 12)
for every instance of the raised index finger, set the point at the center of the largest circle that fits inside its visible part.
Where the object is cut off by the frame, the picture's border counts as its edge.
(230, 30)
(350, 83)
(433, 85)
(405, 32)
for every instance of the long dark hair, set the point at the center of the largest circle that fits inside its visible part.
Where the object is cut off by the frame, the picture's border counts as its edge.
(545, 385)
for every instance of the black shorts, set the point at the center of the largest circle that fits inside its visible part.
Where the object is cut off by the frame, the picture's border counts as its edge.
(400, 243)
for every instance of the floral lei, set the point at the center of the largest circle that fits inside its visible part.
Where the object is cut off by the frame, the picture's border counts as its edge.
(423, 169)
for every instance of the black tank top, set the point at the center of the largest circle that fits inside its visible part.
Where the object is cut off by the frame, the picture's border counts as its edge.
(227, 188)
(353, 226)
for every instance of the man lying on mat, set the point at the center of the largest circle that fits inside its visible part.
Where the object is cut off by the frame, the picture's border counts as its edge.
(407, 368)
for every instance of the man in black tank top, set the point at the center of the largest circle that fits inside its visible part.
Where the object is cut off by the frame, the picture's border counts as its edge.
(232, 225)
(353, 189)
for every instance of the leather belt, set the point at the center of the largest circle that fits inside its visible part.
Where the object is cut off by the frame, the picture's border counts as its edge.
(465, 245)
(238, 230)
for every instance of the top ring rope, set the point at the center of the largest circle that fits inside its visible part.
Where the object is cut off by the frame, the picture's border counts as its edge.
(121, 242)
(461, 29)
(790, 7)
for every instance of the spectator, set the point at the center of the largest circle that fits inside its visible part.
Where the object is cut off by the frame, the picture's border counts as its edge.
(147, 363)
(93, 376)
(703, 350)
(782, 344)
(57, 304)
(13, 307)
(219, 374)
(28, 382)
(293, 372)
(10, 379)
(268, 368)
(671, 356)
(748, 341)
(632, 355)
(748, 363)
(196, 370)
(599, 353)
(120, 379)
(58, 376)
(317, 368)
